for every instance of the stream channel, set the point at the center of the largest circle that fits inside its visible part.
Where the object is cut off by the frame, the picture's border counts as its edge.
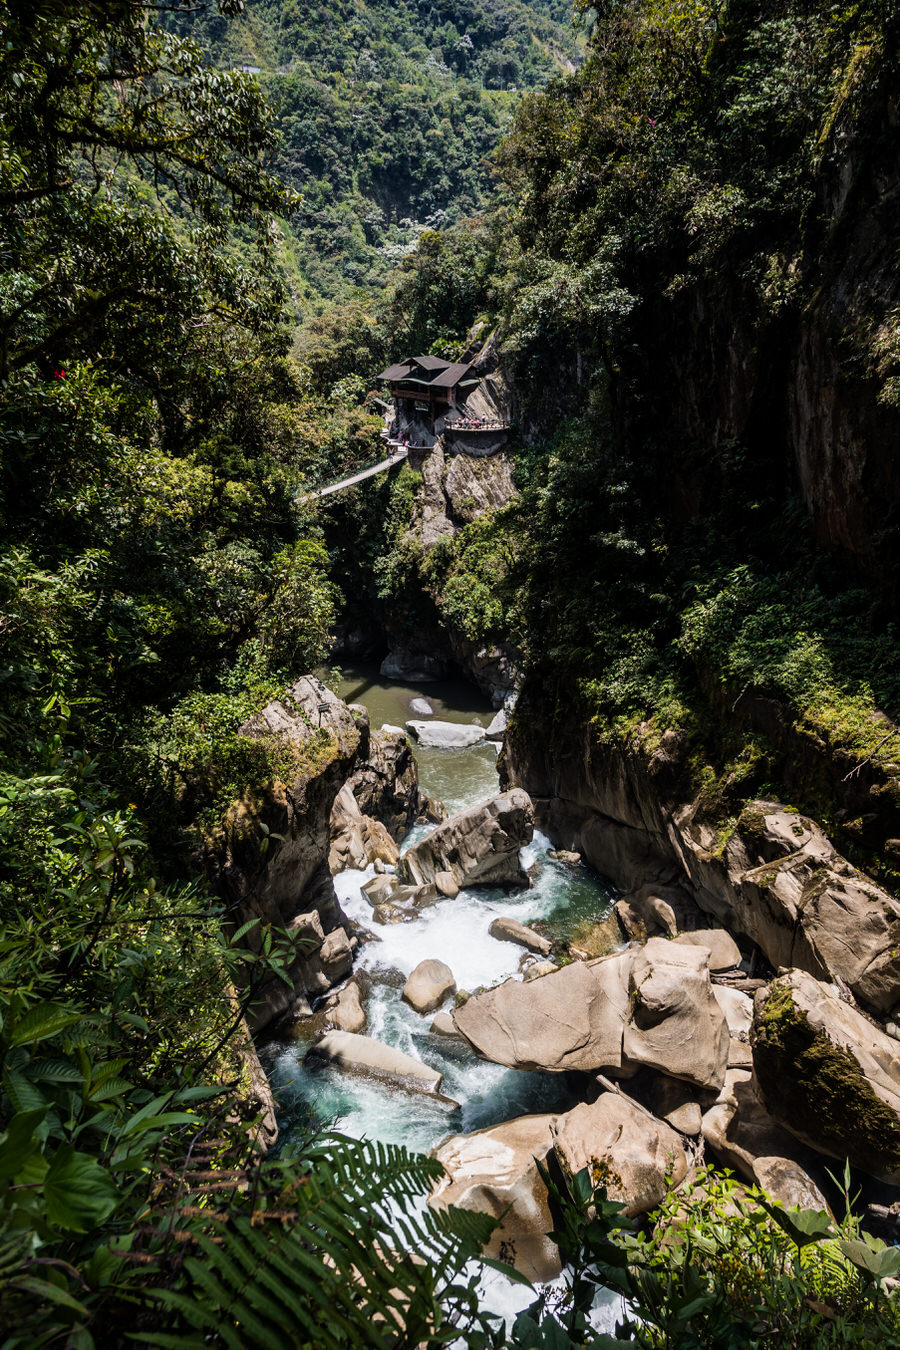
(454, 931)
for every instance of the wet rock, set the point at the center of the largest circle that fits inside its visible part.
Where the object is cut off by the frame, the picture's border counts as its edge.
(428, 986)
(676, 1025)
(390, 888)
(827, 1074)
(571, 1019)
(744, 1136)
(625, 1148)
(478, 846)
(443, 1025)
(564, 855)
(412, 667)
(494, 1172)
(539, 968)
(421, 707)
(446, 884)
(724, 953)
(510, 930)
(496, 729)
(389, 912)
(432, 811)
(344, 1010)
(446, 735)
(362, 1054)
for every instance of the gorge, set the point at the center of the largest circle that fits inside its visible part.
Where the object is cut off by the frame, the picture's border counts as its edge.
(450, 758)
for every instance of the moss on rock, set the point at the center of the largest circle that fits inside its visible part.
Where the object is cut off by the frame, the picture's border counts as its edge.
(820, 1088)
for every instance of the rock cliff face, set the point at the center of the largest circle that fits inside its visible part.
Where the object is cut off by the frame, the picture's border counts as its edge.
(456, 489)
(270, 860)
(773, 877)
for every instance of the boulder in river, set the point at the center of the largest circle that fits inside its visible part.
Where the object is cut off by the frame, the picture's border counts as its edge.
(446, 735)
(828, 1074)
(389, 888)
(650, 1006)
(428, 986)
(344, 1010)
(625, 1147)
(494, 1172)
(510, 930)
(743, 1135)
(421, 707)
(366, 1055)
(675, 1023)
(496, 729)
(572, 1019)
(478, 846)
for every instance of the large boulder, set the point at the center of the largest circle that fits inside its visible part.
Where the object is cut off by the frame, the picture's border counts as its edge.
(478, 846)
(428, 986)
(357, 840)
(724, 953)
(827, 1074)
(505, 929)
(675, 1025)
(388, 888)
(744, 1136)
(446, 735)
(363, 1054)
(780, 881)
(625, 1147)
(571, 1019)
(344, 1010)
(652, 1006)
(385, 780)
(494, 1172)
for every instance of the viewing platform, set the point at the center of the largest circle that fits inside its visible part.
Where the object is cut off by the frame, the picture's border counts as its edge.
(470, 424)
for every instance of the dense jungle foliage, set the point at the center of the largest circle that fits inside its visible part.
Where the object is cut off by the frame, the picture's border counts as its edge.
(388, 114)
(671, 218)
(160, 579)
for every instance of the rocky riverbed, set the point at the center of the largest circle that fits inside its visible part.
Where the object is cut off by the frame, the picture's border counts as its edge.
(491, 1007)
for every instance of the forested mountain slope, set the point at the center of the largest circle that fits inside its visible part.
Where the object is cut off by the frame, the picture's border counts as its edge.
(388, 114)
(696, 299)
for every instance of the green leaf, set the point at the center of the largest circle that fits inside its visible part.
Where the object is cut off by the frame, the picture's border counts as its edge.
(510, 1272)
(42, 1289)
(879, 1265)
(78, 1192)
(20, 1141)
(802, 1226)
(42, 1022)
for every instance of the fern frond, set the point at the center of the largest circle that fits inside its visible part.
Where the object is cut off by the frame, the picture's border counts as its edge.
(338, 1251)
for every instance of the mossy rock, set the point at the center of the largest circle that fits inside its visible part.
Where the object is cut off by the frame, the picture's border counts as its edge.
(818, 1089)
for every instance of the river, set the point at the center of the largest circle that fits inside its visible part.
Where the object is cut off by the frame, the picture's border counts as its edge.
(563, 899)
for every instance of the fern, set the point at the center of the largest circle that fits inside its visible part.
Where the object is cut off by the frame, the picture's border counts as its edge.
(337, 1249)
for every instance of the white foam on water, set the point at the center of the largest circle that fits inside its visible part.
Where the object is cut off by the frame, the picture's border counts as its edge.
(454, 931)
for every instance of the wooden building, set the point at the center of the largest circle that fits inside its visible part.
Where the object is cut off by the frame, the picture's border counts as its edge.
(428, 384)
